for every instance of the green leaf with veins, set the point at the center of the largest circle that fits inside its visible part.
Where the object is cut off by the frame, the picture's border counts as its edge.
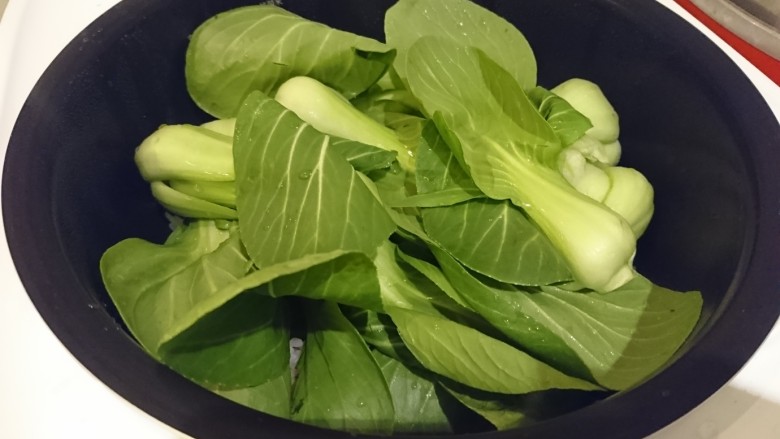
(155, 311)
(340, 385)
(435, 275)
(349, 279)
(364, 158)
(511, 152)
(627, 335)
(404, 287)
(259, 47)
(438, 169)
(466, 24)
(176, 298)
(393, 185)
(497, 239)
(302, 277)
(297, 195)
(242, 343)
(475, 97)
(568, 123)
(470, 357)
(134, 266)
(505, 311)
(619, 338)
(379, 331)
(211, 318)
(418, 408)
(439, 179)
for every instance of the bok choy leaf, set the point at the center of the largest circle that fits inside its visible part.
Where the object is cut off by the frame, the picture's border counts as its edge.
(259, 47)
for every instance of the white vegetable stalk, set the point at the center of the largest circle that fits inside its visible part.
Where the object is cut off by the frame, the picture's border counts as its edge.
(587, 98)
(226, 127)
(596, 152)
(589, 163)
(597, 243)
(588, 179)
(189, 206)
(186, 152)
(630, 195)
(624, 190)
(330, 113)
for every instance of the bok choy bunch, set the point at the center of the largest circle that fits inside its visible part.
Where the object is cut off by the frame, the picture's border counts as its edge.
(452, 241)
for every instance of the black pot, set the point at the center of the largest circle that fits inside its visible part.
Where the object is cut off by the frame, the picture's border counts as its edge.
(691, 121)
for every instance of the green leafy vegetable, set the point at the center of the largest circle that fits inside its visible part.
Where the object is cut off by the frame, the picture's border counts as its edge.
(156, 288)
(242, 344)
(340, 384)
(259, 47)
(619, 338)
(418, 407)
(364, 158)
(438, 171)
(569, 124)
(179, 312)
(452, 242)
(379, 332)
(467, 24)
(348, 279)
(470, 357)
(519, 253)
(647, 324)
(507, 161)
(296, 194)
(405, 288)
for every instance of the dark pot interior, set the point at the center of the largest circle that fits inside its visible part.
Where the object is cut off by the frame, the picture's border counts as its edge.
(690, 121)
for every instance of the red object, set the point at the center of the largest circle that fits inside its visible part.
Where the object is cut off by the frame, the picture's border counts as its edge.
(767, 64)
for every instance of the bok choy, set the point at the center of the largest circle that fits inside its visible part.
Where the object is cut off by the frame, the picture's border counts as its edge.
(452, 241)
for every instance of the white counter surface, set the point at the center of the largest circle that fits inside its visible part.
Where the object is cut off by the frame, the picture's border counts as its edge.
(45, 393)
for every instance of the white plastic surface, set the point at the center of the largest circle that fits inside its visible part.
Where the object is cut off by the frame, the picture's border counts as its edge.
(45, 393)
